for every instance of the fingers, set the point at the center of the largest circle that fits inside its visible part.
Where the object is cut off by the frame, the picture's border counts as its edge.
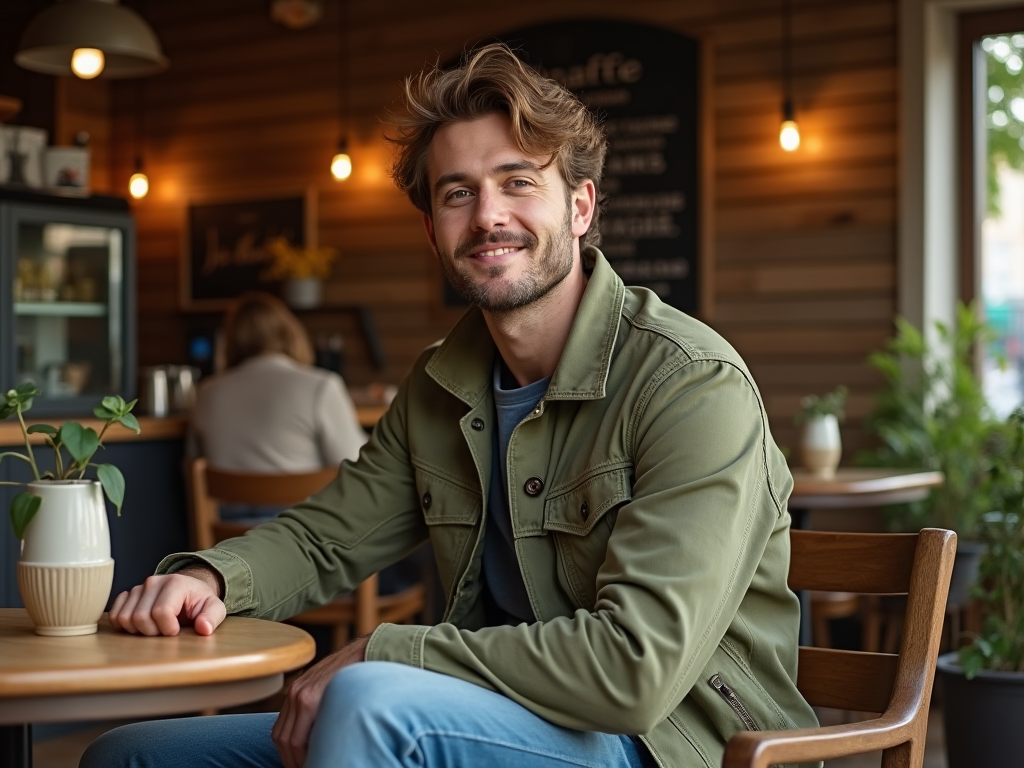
(161, 603)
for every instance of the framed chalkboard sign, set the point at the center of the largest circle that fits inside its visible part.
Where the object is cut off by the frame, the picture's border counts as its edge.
(648, 86)
(226, 250)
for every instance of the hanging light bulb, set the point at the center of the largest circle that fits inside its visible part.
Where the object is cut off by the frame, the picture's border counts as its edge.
(341, 164)
(138, 184)
(789, 132)
(87, 63)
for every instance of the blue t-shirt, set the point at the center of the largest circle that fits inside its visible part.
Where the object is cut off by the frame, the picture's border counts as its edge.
(501, 568)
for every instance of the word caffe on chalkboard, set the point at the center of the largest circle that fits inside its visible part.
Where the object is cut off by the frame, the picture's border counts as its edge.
(228, 252)
(643, 84)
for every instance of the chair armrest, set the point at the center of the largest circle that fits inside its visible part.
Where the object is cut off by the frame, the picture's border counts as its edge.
(762, 749)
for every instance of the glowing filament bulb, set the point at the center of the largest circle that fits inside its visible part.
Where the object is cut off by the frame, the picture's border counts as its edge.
(87, 63)
(789, 135)
(138, 185)
(341, 166)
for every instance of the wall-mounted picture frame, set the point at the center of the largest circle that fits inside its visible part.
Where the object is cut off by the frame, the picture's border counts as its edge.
(66, 170)
(22, 149)
(225, 245)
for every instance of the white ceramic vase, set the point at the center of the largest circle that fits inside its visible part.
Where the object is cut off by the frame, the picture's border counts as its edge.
(303, 292)
(820, 445)
(65, 571)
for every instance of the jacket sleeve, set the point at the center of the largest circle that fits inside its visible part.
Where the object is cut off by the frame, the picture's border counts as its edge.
(365, 520)
(680, 557)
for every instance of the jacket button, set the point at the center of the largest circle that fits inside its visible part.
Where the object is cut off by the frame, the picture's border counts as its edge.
(533, 486)
(585, 511)
(477, 424)
(426, 500)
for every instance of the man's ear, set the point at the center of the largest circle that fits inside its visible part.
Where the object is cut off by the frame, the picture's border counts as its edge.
(428, 224)
(584, 203)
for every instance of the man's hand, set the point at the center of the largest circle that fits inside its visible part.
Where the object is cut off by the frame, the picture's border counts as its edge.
(293, 726)
(162, 604)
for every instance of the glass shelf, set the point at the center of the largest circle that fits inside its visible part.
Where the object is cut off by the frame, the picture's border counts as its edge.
(60, 308)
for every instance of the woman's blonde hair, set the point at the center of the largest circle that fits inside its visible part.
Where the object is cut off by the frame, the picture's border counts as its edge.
(547, 120)
(257, 323)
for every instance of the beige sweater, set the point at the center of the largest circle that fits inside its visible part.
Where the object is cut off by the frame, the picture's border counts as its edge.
(272, 414)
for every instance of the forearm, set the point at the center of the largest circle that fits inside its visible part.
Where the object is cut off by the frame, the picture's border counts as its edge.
(207, 575)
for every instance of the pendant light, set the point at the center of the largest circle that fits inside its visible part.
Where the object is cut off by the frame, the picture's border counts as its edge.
(789, 132)
(90, 38)
(138, 184)
(341, 163)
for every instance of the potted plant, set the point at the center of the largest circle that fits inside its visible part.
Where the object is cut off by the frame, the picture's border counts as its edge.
(65, 570)
(983, 683)
(302, 269)
(820, 443)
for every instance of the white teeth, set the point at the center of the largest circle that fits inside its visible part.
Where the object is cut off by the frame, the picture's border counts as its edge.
(497, 252)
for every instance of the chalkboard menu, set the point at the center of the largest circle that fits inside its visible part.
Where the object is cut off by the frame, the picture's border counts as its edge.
(642, 81)
(227, 247)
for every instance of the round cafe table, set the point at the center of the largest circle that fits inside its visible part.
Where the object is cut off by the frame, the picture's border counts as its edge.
(116, 675)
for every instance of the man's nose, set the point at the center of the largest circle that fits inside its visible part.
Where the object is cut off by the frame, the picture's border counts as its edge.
(491, 210)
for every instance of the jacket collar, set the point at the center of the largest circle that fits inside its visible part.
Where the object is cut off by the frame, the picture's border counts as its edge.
(464, 361)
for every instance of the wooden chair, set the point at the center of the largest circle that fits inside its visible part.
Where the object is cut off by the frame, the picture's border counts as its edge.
(898, 686)
(364, 609)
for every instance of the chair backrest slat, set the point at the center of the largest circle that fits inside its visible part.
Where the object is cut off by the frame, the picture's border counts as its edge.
(847, 679)
(245, 488)
(869, 563)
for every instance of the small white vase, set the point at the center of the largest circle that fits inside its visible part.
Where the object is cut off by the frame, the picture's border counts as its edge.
(65, 571)
(821, 446)
(303, 292)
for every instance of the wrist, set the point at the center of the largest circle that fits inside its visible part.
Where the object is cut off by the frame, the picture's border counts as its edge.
(207, 575)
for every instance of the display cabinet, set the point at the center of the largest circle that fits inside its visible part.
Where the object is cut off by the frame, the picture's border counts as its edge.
(67, 315)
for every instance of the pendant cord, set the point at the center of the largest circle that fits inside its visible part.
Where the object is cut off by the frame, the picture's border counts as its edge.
(787, 76)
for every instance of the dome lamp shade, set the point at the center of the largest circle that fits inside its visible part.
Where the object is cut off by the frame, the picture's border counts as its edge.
(127, 44)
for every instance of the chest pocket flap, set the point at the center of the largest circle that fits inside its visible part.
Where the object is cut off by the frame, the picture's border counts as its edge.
(444, 502)
(578, 509)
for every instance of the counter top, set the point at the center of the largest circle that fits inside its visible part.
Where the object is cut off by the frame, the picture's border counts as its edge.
(153, 428)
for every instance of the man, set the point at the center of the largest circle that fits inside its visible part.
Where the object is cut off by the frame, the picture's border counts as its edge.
(593, 469)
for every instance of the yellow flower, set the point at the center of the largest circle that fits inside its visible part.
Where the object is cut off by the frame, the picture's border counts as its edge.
(297, 262)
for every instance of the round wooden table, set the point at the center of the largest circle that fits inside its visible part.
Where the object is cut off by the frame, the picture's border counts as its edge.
(115, 675)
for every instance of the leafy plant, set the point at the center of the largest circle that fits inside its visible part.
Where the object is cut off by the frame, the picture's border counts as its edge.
(932, 414)
(1000, 586)
(80, 443)
(296, 262)
(815, 406)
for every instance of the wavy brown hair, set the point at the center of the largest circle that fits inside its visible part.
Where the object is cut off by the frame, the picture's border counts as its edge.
(257, 323)
(547, 120)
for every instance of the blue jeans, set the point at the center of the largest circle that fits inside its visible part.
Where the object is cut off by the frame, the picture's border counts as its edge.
(375, 714)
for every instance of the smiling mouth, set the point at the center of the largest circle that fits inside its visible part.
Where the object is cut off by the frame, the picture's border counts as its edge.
(496, 252)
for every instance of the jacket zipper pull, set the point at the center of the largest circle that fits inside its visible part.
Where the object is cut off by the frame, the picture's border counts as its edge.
(727, 693)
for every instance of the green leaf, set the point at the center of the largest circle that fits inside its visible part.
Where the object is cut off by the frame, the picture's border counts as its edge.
(80, 441)
(129, 405)
(103, 413)
(45, 429)
(27, 389)
(23, 508)
(113, 484)
(130, 422)
(114, 404)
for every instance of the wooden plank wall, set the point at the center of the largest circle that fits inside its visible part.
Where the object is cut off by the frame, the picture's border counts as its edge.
(805, 264)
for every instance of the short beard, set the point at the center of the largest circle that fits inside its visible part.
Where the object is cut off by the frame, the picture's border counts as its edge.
(545, 272)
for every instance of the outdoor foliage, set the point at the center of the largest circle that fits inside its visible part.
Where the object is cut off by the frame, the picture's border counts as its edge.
(1004, 113)
(1000, 587)
(815, 406)
(932, 414)
(80, 443)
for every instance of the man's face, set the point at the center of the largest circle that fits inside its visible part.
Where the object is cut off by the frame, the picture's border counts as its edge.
(504, 227)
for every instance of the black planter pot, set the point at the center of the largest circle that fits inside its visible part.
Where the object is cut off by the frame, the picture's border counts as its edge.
(983, 717)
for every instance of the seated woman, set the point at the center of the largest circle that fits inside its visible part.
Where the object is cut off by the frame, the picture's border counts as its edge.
(271, 411)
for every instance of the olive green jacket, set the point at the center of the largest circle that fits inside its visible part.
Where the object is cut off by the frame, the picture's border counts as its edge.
(648, 503)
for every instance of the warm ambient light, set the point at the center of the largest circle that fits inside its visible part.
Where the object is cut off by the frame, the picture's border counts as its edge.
(87, 63)
(341, 166)
(789, 135)
(138, 185)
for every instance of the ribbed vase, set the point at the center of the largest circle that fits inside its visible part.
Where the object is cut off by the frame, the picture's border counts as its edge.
(65, 571)
(65, 600)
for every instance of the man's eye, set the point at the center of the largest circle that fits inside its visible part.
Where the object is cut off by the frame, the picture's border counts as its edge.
(519, 184)
(457, 194)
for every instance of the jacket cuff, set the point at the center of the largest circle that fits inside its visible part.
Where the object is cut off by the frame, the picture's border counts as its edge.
(238, 588)
(400, 643)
